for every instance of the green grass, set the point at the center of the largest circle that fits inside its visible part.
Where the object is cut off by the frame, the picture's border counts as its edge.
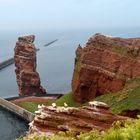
(30, 106)
(67, 98)
(130, 131)
(120, 50)
(126, 99)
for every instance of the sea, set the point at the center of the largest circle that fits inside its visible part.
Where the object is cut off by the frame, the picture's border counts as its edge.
(55, 64)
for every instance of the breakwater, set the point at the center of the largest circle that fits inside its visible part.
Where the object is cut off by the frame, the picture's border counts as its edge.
(51, 42)
(28, 116)
(6, 63)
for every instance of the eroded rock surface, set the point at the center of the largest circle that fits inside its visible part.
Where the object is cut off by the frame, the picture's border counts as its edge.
(51, 119)
(28, 79)
(104, 65)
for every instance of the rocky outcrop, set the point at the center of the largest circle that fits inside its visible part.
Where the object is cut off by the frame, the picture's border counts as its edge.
(104, 65)
(130, 113)
(28, 79)
(52, 119)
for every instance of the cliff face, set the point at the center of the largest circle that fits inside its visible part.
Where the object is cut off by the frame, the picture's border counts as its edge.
(28, 79)
(104, 65)
(96, 115)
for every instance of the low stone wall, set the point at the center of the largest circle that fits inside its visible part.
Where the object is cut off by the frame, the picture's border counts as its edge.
(57, 95)
(17, 110)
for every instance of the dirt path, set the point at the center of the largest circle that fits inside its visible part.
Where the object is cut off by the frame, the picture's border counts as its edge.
(33, 99)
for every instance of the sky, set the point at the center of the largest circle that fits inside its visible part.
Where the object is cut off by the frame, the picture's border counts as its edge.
(68, 14)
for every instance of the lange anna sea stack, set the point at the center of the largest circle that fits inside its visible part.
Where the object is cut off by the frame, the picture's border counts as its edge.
(28, 79)
(104, 65)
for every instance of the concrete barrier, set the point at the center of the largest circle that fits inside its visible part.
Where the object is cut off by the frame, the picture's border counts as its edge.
(28, 116)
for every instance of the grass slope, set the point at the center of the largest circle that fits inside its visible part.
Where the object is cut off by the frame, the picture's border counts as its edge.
(30, 106)
(126, 99)
(67, 98)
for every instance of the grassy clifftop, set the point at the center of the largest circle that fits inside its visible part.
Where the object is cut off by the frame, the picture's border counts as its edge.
(126, 99)
(67, 98)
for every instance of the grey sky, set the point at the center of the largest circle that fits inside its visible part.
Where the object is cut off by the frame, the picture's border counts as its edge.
(68, 14)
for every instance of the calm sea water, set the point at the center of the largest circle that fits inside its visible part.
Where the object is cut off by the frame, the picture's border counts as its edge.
(11, 126)
(54, 64)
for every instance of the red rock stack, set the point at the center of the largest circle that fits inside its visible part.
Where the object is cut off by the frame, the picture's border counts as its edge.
(28, 79)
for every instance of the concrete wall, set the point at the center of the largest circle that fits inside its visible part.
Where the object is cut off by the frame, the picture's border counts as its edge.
(24, 96)
(17, 110)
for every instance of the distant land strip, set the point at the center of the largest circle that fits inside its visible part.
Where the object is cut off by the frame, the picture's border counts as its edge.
(51, 42)
(6, 63)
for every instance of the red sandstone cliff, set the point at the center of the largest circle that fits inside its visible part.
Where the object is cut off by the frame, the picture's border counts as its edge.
(49, 119)
(28, 79)
(104, 65)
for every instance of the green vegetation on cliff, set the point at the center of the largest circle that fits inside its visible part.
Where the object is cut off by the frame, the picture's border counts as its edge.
(67, 98)
(120, 50)
(30, 106)
(130, 131)
(126, 99)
